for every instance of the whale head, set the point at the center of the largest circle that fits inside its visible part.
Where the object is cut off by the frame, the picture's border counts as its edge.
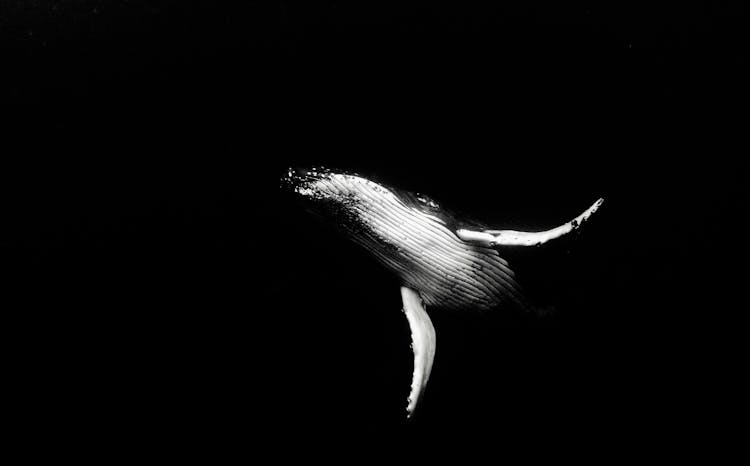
(354, 203)
(323, 189)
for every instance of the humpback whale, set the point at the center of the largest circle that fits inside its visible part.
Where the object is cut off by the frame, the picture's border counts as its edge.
(442, 262)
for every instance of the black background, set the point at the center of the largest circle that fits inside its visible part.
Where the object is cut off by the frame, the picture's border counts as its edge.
(163, 296)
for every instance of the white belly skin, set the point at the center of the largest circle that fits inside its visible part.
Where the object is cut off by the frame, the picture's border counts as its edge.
(429, 257)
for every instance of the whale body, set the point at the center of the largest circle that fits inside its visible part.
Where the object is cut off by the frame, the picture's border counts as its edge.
(439, 265)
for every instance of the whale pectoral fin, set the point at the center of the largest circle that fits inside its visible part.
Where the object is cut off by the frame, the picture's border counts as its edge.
(525, 238)
(423, 344)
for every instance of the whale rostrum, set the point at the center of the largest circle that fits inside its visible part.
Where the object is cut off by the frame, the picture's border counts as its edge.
(440, 266)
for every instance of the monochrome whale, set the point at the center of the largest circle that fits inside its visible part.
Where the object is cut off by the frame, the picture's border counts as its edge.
(442, 262)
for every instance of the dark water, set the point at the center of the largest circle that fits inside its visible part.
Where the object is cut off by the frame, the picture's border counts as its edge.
(166, 298)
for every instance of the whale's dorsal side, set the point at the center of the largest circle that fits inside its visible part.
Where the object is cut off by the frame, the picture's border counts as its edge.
(423, 344)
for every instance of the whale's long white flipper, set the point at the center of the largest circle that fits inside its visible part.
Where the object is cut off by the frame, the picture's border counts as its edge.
(423, 344)
(524, 238)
